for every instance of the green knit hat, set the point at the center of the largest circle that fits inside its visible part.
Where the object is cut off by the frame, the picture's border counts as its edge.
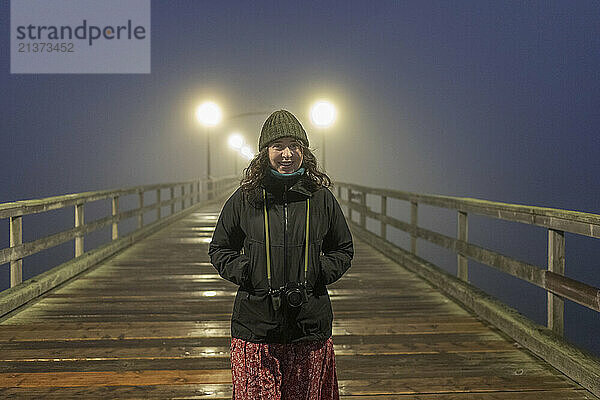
(280, 124)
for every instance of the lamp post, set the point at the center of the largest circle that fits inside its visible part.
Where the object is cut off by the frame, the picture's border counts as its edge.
(323, 115)
(208, 114)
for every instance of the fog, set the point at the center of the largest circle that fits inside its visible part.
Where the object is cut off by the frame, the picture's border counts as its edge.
(483, 99)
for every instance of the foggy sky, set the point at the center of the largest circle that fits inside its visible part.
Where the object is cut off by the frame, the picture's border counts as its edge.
(488, 99)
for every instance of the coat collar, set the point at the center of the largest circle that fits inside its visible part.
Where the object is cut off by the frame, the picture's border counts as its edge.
(275, 187)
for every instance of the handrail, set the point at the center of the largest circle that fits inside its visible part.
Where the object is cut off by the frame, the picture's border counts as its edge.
(551, 278)
(197, 190)
(577, 222)
(25, 207)
(545, 343)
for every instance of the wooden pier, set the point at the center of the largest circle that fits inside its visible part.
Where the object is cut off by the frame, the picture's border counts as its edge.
(153, 322)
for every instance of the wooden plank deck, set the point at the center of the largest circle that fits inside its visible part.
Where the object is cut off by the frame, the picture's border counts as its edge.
(153, 322)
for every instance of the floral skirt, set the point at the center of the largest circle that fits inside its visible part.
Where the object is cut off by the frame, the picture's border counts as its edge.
(296, 371)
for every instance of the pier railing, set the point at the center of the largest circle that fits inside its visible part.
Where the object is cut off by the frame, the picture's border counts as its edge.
(546, 343)
(186, 194)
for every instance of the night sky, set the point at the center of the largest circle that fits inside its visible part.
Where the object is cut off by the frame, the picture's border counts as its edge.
(498, 100)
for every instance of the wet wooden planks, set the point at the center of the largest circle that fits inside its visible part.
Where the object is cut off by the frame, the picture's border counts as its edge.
(153, 322)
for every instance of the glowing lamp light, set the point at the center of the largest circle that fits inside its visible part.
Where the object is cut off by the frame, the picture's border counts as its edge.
(209, 113)
(323, 114)
(236, 141)
(247, 152)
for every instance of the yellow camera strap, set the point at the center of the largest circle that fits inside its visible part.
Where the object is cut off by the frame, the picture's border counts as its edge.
(267, 244)
(267, 241)
(306, 241)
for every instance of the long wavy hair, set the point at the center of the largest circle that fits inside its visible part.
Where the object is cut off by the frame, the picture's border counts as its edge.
(259, 166)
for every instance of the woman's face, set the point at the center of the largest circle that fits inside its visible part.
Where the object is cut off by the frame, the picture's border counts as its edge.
(285, 155)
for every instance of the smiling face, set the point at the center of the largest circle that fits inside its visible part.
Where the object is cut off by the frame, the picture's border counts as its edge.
(285, 155)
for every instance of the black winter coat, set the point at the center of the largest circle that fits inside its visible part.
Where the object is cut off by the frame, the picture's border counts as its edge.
(241, 226)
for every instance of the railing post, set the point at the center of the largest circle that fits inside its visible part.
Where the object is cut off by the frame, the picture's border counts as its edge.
(383, 214)
(414, 220)
(198, 192)
(115, 211)
(141, 204)
(363, 212)
(79, 222)
(172, 197)
(556, 264)
(158, 210)
(16, 238)
(463, 234)
(350, 197)
(182, 198)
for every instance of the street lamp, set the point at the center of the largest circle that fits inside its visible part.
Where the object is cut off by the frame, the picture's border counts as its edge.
(247, 152)
(323, 115)
(236, 142)
(208, 114)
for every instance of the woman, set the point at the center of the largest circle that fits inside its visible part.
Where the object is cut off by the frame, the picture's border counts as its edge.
(282, 237)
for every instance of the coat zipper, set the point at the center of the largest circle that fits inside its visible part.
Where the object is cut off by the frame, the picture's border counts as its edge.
(285, 223)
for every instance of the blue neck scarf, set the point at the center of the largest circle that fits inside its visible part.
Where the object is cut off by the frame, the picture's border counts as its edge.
(279, 175)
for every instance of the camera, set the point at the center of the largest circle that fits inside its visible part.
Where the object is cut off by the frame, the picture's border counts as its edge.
(293, 294)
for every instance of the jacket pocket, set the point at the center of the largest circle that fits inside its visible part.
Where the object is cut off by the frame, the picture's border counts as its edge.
(257, 273)
(314, 267)
(254, 317)
(315, 316)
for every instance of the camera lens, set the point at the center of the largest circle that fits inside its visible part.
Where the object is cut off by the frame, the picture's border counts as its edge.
(294, 298)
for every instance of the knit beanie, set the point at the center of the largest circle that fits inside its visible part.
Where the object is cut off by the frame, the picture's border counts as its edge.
(280, 124)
